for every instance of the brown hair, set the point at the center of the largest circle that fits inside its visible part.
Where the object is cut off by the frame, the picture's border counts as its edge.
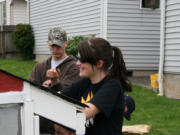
(96, 49)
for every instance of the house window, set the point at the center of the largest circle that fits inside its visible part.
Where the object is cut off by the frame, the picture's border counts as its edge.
(153, 4)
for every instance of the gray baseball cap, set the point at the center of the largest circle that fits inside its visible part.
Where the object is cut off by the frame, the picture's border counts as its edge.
(57, 36)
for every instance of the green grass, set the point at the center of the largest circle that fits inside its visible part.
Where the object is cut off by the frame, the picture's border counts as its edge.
(162, 114)
(18, 67)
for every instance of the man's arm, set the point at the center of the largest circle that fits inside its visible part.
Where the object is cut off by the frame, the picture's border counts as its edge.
(35, 75)
(61, 79)
(72, 75)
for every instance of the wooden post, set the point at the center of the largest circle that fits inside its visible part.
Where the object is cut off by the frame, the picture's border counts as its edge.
(2, 39)
(2, 42)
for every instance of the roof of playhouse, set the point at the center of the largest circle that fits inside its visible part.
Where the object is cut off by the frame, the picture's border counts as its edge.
(12, 83)
(40, 101)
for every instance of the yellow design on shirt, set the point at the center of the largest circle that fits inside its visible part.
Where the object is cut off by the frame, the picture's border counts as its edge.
(89, 97)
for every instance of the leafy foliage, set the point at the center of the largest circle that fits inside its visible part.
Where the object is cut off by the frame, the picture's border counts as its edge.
(23, 40)
(72, 45)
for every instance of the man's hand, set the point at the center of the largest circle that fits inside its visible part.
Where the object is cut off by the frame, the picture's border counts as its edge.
(53, 75)
(47, 83)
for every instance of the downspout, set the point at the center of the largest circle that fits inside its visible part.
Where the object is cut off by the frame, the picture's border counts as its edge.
(10, 16)
(103, 20)
(162, 39)
(28, 11)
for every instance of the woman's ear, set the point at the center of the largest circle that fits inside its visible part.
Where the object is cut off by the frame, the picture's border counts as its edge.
(100, 64)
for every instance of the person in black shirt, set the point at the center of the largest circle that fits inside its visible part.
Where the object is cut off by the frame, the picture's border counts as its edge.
(101, 87)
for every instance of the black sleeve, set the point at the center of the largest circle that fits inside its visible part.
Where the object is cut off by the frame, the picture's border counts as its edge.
(75, 90)
(57, 87)
(107, 97)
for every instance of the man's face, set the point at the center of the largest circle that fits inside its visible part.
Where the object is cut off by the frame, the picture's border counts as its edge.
(58, 52)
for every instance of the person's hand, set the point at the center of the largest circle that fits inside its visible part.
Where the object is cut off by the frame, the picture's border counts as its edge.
(47, 83)
(59, 130)
(53, 75)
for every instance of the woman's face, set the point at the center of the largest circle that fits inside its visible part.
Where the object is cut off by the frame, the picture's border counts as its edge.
(86, 69)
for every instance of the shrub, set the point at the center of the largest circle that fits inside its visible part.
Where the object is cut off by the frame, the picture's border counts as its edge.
(72, 45)
(23, 40)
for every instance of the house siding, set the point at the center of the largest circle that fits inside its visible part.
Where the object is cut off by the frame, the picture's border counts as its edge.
(76, 17)
(136, 31)
(172, 37)
(18, 12)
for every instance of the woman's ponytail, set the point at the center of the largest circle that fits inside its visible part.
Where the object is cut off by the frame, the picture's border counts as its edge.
(118, 69)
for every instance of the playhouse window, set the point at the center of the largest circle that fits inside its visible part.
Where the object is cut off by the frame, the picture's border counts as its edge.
(10, 119)
(153, 4)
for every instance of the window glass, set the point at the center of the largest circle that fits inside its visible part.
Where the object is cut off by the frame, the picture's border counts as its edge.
(153, 4)
(10, 120)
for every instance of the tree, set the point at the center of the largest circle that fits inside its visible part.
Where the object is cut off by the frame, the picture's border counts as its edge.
(23, 40)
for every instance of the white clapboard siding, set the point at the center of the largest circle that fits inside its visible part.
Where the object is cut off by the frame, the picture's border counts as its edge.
(18, 12)
(136, 31)
(172, 37)
(77, 17)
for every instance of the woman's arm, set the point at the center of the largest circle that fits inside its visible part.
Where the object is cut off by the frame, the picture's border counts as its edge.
(90, 111)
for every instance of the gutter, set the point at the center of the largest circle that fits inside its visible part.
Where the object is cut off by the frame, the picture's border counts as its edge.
(28, 11)
(103, 19)
(162, 42)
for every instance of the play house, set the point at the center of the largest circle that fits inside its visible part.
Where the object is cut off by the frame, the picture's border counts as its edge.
(23, 102)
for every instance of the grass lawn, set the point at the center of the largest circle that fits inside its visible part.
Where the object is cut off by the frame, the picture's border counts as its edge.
(17, 66)
(161, 113)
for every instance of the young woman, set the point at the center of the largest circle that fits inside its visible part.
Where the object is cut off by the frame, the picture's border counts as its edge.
(102, 86)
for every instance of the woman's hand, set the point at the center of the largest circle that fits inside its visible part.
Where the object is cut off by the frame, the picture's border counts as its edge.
(90, 111)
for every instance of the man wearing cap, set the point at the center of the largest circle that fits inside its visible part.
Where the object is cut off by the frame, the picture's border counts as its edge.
(129, 106)
(59, 67)
(58, 71)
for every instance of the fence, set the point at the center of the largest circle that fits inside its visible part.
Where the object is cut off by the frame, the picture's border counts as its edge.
(6, 47)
